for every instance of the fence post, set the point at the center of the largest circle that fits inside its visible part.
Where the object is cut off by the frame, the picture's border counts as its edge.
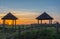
(57, 29)
(19, 30)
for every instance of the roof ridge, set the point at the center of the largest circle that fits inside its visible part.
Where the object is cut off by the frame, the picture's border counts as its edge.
(44, 16)
(9, 16)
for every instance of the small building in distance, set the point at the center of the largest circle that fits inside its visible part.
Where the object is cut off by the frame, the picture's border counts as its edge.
(9, 16)
(44, 16)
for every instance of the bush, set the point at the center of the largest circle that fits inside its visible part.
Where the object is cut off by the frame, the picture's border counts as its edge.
(37, 34)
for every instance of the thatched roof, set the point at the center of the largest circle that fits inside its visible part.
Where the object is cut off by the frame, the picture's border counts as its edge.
(44, 16)
(9, 16)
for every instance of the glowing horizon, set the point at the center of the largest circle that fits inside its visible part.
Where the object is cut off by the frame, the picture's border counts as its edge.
(25, 18)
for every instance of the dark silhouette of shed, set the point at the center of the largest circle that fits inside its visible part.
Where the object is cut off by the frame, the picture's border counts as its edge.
(44, 16)
(9, 16)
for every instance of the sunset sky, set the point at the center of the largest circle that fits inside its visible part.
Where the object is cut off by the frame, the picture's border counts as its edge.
(28, 10)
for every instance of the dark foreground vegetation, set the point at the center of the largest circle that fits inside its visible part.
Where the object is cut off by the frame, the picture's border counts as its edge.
(26, 32)
(37, 34)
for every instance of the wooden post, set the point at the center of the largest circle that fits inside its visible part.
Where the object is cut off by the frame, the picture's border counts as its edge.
(4, 28)
(38, 21)
(49, 21)
(41, 21)
(15, 24)
(19, 30)
(4, 25)
(12, 24)
(57, 30)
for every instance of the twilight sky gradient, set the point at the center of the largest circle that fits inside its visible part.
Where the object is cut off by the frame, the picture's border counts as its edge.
(28, 10)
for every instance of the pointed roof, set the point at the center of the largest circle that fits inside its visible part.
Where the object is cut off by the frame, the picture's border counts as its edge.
(44, 16)
(9, 16)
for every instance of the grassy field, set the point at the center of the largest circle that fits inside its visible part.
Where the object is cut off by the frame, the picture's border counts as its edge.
(29, 32)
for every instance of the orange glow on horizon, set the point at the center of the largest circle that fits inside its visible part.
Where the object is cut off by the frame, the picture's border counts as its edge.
(21, 21)
(25, 18)
(24, 21)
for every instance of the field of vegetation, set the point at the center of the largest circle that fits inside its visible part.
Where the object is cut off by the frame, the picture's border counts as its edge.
(28, 32)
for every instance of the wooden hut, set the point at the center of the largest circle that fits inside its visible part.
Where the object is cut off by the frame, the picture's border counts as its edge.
(44, 16)
(9, 16)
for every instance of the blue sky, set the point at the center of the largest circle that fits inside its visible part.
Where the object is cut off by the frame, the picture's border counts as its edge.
(45, 5)
(49, 6)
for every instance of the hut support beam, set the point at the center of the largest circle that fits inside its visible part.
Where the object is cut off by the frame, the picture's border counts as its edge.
(38, 21)
(12, 24)
(41, 21)
(4, 25)
(50, 21)
(15, 24)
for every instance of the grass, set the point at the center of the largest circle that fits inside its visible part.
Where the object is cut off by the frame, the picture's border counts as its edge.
(27, 33)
